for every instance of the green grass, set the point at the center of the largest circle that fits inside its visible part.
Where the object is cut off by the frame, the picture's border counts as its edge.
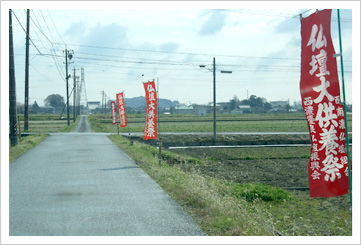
(208, 200)
(25, 144)
(224, 207)
(257, 191)
(302, 216)
(41, 124)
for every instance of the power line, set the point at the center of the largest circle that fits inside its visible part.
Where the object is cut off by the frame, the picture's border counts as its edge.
(182, 53)
(47, 27)
(51, 47)
(57, 62)
(160, 63)
(25, 32)
(56, 29)
(242, 67)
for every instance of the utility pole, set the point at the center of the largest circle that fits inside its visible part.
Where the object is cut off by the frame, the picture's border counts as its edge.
(26, 111)
(214, 101)
(78, 97)
(68, 55)
(104, 105)
(74, 94)
(214, 97)
(67, 86)
(12, 88)
(103, 102)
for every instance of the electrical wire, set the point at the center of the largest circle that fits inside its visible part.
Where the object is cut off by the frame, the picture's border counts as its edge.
(182, 53)
(25, 32)
(56, 29)
(51, 47)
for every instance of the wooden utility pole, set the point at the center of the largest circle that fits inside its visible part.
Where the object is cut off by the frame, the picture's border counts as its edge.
(26, 111)
(12, 88)
(105, 103)
(67, 86)
(68, 55)
(74, 97)
(214, 102)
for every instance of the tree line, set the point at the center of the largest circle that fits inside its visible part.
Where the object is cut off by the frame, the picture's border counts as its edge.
(257, 104)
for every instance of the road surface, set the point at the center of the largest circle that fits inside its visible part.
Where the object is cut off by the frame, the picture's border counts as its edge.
(81, 184)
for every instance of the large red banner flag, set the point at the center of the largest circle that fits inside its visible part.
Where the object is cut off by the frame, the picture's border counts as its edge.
(320, 92)
(114, 112)
(150, 129)
(121, 110)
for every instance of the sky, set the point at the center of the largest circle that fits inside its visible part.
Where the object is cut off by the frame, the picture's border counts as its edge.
(119, 45)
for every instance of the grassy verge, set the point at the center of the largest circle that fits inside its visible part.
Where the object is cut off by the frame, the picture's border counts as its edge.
(42, 125)
(223, 207)
(70, 127)
(211, 202)
(24, 145)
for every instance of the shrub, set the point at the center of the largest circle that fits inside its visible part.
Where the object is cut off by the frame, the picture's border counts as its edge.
(258, 191)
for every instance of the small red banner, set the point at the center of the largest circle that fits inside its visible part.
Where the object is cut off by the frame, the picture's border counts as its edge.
(121, 110)
(114, 112)
(150, 129)
(320, 92)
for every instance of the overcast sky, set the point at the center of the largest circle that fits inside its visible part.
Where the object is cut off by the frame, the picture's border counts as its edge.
(117, 43)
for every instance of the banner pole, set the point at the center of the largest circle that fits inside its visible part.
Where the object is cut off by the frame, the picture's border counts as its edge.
(160, 140)
(125, 110)
(345, 110)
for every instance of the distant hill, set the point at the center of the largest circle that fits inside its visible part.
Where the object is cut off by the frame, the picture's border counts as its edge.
(140, 103)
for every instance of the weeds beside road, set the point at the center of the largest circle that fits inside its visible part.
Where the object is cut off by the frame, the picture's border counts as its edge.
(225, 198)
(206, 199)
(24, 145)
(222, 206)
(40, 125)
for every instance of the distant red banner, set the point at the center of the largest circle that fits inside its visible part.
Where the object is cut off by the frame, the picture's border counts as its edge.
(121, 110)
(320, 92)
(150, 129)
(114, 112)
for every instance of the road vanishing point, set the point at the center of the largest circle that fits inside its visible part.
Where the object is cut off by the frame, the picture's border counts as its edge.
(81, 184)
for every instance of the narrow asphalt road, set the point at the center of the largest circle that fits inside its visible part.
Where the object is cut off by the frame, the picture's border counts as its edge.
(81, 184)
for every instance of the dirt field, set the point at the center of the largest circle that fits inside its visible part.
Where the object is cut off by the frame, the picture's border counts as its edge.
(275, 166)
(285, 167)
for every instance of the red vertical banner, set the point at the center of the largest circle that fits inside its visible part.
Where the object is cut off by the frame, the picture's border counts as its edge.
(121, 110)
(150, 129)
(320, 92)
(114, 112)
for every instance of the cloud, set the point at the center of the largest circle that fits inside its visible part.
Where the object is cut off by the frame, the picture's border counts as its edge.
(76, 29)
(169, 47)
(288, 25)
(214, 24)
(112, 35)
